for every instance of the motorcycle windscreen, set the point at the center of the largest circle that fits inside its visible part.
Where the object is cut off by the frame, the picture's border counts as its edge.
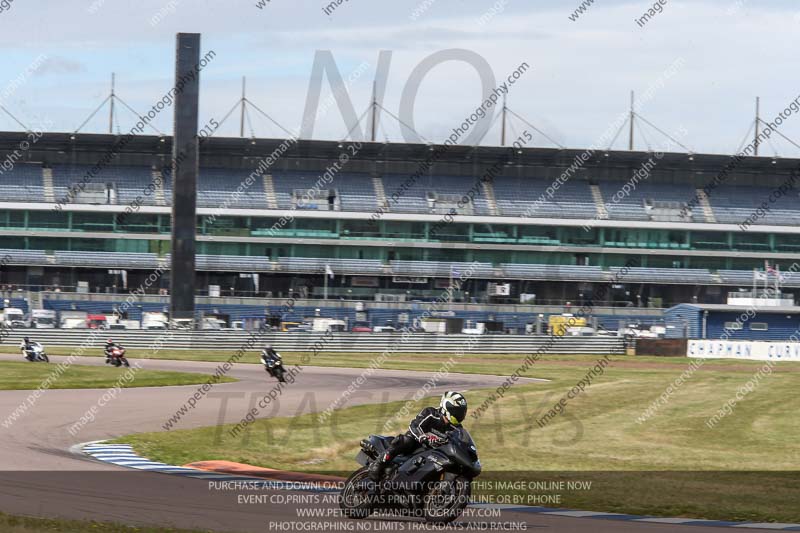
(463, 435)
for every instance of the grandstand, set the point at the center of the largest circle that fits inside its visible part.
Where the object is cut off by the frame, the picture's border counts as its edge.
(378, 224)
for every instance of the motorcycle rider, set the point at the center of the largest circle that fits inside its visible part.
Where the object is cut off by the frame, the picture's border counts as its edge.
(269, 354)
(110, 345)
(26, 346)
(451, 412)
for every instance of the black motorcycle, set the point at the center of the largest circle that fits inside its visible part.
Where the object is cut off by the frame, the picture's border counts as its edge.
(273, 364)
(434, 482)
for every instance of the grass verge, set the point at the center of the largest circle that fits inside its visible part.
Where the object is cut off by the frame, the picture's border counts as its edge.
(25, 376)
(24, 524)
(666, 464)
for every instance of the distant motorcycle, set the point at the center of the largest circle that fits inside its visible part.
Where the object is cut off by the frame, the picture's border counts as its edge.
(434, 481)
(36, 353)
(116, 357)
(273, 364)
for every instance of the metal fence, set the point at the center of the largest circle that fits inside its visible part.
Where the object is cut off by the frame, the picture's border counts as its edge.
(337, 342)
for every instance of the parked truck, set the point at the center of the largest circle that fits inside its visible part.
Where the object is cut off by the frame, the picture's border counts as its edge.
(72, 319)
(327, 324)
(13, 317)
(154, 320)
(43, 318)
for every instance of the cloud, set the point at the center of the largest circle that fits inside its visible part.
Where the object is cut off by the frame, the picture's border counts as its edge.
(60, 65)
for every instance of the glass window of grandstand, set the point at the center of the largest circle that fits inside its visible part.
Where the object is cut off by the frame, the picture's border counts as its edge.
(644, 238)
(315, 227)
(237, 226)
(310, 250)
(18, 243)
(525, 258)
(579, 236)
(448, 256)
(444, 230)
(49, 220)
(13, 219)
(538, 235)
(357, 252)
(222, 248)
(746, 264)
(759, 326)
(710, 240)
(744, 240)
(787, 243)
(360, 229)
(620, 260)
(493, 233)
(136, 223)
(260, 226)
(733, 326)
(403, 229)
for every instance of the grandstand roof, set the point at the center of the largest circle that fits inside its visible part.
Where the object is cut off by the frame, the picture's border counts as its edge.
(84, 147)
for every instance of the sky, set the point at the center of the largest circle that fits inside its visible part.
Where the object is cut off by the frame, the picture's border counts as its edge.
(696, 65)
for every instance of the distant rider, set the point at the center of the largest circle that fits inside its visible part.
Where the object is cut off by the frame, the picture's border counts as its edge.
(26, 346)
(269, 354)
(448, 416)
(110, 345)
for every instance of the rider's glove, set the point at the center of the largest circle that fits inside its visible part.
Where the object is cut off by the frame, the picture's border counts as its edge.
(431, 439)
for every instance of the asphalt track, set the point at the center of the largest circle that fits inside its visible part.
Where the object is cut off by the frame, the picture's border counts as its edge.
(40, 476)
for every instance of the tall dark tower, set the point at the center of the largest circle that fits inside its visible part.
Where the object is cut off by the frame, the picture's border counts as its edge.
(184, 175)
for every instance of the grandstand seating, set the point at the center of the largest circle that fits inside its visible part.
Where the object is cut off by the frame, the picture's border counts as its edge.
(355, 192)
(129, 181)
(735, 204)
(554, 272)
(217, 187)
(519, 197)
(375, 267)
(442, 269)
(662, 275)
(308, 265)
(631, 206)
(23, 183)
(515, 196)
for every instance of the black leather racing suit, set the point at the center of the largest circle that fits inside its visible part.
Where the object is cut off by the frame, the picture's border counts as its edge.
(428, 419)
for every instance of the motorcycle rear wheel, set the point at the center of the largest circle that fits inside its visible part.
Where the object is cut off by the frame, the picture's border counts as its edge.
(354, 503)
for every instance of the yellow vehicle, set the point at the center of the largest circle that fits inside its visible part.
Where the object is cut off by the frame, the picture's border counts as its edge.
(286, 325)
(559, 324)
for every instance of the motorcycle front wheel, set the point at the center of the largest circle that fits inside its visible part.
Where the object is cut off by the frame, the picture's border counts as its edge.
(125, 361)
(45, 358)
(446, 500)
(354, 501)
(280, 371)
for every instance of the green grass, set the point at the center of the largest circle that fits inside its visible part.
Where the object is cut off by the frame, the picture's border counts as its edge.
(24, 375)
(671, 465)
(498, 364)
(24, 524)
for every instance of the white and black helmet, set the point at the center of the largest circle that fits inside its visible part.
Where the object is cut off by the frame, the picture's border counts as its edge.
(453, 407)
